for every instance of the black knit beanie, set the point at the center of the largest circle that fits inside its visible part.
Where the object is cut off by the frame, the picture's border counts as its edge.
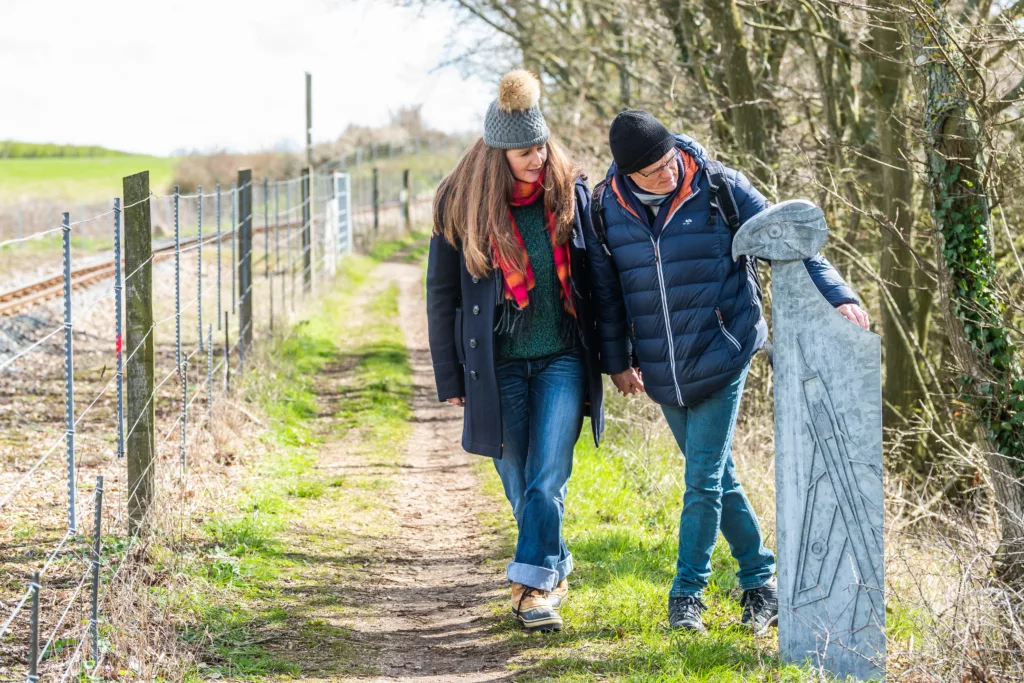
(638, 140)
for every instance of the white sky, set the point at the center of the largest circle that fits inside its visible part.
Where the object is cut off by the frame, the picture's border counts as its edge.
(156, 76)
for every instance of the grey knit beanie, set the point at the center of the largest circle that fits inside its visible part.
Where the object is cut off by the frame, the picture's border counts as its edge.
(514, 120)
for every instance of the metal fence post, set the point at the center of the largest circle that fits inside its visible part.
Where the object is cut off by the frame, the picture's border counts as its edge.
(266, 229)
(118, 328)
(349, 218)
(199, 265)
(277, 240)
(268, 274)
(307, 242)
(177, 285)
(183, 374)
(69, 374)
(209, 374)
(234, 224)
(227, 355)
(291, 261)
(266, 248)
(139, 409)
(218, 258)
(339, 212)
(33, 638)
(177, 317)
(245, 261)
(97, 547)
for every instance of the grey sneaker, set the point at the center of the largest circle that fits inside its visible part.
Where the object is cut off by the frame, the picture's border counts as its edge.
(685, 613)
(761, 607)
(533, 609)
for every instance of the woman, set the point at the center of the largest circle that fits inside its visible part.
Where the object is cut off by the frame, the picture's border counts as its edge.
(511, 328)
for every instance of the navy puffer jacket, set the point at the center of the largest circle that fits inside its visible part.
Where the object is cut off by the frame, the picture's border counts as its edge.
(693, 313)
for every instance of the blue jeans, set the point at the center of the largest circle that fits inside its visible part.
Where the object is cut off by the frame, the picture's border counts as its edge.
(714, 498)
(541, 414)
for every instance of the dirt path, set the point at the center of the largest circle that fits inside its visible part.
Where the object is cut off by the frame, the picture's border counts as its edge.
(403, 584)
(438, 562)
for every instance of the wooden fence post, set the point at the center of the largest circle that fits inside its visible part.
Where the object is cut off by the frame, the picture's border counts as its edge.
(406, 200)
(138, 307)
(376, 202)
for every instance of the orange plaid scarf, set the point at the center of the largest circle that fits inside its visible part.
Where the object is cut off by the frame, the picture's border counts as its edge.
(519, 283)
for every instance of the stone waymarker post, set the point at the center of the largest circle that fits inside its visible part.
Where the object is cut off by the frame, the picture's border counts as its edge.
(828, 457)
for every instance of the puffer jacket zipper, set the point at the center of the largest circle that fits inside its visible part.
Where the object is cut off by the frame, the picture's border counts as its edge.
(732, 339)
(668, 320)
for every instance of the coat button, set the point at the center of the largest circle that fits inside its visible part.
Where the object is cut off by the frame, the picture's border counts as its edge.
(475, 279)
(472, 343)
(476, 310)
(472, 374)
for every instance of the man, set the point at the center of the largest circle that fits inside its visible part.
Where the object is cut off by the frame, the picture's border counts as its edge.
(669, 295)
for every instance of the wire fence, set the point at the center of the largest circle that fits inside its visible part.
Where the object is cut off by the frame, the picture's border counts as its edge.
(111, 370)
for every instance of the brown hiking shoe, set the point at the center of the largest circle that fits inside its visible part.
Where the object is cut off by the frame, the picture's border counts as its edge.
(533, 609)
(558, 596)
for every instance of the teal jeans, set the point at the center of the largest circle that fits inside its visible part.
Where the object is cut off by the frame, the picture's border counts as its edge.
(714, 499)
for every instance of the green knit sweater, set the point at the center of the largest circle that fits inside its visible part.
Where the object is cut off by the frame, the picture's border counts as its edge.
(543, 329)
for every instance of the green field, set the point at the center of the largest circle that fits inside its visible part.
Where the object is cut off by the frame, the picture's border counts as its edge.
(78, 179)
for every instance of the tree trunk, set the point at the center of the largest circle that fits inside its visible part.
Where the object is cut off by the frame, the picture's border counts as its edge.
(745, 109)
(993, 381)
(894, 191)
(619, 26)
(694, 56)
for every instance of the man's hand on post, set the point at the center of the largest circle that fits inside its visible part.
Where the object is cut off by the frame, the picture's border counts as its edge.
(628, 382)
(854, 313)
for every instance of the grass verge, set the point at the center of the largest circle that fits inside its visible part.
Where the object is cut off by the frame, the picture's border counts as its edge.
(344, 368)
(622, 525)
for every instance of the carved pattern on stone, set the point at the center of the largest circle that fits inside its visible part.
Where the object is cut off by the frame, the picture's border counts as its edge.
(835, 511)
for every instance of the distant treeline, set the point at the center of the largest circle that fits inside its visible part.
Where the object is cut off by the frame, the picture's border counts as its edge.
(9, 149)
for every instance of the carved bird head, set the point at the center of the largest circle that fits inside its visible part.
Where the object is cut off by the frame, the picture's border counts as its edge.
(789, 231)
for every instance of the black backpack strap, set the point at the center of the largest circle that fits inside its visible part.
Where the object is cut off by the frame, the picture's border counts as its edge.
(722, 199)
(597, 217)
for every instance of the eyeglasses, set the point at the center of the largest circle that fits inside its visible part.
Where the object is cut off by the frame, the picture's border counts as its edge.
(662, 167)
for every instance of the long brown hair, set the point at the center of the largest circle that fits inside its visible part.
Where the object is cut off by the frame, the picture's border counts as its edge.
(471, 206)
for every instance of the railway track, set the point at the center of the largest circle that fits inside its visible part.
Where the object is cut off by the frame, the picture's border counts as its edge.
(16, 300)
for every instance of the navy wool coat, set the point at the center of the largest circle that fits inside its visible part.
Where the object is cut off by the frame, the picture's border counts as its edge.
(670, 293)
(461, 316)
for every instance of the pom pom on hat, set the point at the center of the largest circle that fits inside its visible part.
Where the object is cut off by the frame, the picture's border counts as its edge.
(519, 90)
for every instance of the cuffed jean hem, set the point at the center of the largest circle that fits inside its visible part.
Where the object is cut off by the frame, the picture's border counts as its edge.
(690, 592)
(686, 592)
(564, 568)
(756, 583)
(540, 578)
